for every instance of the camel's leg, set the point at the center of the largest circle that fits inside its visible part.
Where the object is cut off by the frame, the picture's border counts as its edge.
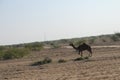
(91, 55)
(90, 52)
(81, 54)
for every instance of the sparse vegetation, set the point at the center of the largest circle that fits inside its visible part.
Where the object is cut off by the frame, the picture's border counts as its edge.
(117, 34)
(101, 61)
(45, 61)
(2, 48)
(55, 45)
(92, 40)
(114, 38)
(64, 41)
(81, 58)
(61, 61)
(34, 46)
(13, 53)
(20, 50)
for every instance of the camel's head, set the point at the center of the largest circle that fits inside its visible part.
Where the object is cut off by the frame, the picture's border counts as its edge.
(71, 44)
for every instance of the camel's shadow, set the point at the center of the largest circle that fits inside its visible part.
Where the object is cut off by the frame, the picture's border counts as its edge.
(87, 59)
(81, 59)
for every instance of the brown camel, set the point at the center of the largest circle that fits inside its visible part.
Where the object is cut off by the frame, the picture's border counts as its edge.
(81, 48)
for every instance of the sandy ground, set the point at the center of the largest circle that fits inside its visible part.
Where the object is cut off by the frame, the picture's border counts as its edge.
(103, 65)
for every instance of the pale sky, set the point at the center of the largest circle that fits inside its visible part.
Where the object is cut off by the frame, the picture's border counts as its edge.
(23, 21)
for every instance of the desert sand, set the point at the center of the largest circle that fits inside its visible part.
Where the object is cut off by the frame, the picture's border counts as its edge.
(103, 65)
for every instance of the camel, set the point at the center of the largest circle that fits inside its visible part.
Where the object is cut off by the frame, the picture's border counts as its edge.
(81, 48)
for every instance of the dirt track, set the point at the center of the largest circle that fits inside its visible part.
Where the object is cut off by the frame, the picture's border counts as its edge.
(103, 65)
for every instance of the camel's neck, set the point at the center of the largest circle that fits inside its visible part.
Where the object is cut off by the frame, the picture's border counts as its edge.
(74, 47)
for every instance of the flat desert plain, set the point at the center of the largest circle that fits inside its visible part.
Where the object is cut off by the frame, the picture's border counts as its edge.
(103, 65)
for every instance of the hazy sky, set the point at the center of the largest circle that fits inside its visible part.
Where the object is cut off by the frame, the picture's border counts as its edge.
(24, 21)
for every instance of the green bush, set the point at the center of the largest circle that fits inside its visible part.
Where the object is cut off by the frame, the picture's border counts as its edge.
(1, 54)
(55, 45)
(64, 41)
(8, 56)
(92, 40)
(115, 38)
(117, 34)
(2, 48)
(34, 46)
(13, 53)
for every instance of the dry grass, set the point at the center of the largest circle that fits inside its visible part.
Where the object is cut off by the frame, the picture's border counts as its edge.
(103, 65)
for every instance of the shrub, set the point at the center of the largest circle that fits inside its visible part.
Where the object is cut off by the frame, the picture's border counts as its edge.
(64, 41)
(92, 40)
(13, 53)
(86, 57)
(45, 61)
(34, 46)
(37, 63)
(117, 34)
(61, 61)
(1, 54)
(8, 56)
(114, 38)
(55, 45)
(2, 48)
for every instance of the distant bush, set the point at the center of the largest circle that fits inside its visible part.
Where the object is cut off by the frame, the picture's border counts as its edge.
(92, 40)
(114, 38)
(3, 48)
(55, 45)
(13, 53)
(1, 54)
(64, 41)
(117, 34)
(61, 61)
(45, 61)
(80, 42)
(34, 46)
